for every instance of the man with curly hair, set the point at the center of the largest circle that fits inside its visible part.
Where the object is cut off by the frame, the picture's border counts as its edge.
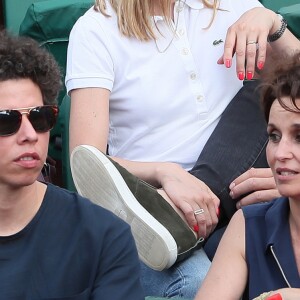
(54, 244)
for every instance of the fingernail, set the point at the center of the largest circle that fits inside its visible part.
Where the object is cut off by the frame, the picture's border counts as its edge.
(218, 211)
(238, 205)
(275, 297)
(196, 228)
(241, 75)
(249, 75)
(228, 63)
(231, 194)
(232, 185)
(260, 65)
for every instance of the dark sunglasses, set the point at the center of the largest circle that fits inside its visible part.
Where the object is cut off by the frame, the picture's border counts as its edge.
(42, 119)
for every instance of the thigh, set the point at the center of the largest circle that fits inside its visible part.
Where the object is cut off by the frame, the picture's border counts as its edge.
(181, 280)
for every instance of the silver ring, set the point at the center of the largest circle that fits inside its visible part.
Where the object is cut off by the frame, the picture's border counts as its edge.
(198, 211)
(251, 42)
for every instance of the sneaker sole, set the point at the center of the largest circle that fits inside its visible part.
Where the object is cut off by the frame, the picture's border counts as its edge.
(97, 179)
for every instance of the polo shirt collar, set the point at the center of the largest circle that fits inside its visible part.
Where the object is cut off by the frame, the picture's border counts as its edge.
(194, 4)
(197, 4)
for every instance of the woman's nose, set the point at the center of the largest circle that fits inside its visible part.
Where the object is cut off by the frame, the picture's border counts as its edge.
(283, 150)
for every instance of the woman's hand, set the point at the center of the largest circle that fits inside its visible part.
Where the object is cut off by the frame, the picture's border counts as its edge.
(247, 38)
(285, 294)
(190, 194)
(257, 185)
(281, 294)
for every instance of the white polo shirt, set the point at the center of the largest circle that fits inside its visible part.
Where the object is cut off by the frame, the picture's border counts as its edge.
(163, 106)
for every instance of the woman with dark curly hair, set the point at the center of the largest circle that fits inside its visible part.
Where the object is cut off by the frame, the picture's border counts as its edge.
(259, 254)
(54, 244)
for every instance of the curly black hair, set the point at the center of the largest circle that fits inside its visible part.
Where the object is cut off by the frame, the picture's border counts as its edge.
(22, 58)
(281, 79)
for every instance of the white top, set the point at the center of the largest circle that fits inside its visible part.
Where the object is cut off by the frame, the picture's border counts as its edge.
(163, 106)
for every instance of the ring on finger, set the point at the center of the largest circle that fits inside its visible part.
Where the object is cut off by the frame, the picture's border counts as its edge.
(198, 211)
(251, 42)
(254, 43)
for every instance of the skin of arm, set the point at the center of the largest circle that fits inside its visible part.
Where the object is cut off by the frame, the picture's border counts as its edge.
(227, 276)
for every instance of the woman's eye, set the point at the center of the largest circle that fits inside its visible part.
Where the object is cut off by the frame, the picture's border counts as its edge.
(274, 137)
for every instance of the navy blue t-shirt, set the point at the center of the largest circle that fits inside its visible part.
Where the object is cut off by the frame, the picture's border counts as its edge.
(72, 249)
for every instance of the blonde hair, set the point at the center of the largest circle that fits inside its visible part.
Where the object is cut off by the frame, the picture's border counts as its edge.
(134, 15)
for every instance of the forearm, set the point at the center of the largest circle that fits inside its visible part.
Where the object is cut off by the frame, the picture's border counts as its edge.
(155, 173)
(228, 271)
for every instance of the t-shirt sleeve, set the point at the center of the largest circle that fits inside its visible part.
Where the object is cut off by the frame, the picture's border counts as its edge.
(89, 63)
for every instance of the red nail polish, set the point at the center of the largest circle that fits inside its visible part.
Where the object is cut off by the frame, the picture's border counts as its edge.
(228, 63)
(260, 65)
(218, 211)
(249, 75)
(241, 75)
(196, 228)
(275, 297)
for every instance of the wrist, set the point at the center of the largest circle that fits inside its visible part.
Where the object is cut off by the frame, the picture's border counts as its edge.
(165, 171)
(278, 28)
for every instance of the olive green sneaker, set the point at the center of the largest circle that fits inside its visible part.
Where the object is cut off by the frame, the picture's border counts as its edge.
(161, 236)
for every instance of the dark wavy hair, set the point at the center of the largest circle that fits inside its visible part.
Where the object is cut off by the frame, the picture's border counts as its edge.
(22, 58)
(281, 79)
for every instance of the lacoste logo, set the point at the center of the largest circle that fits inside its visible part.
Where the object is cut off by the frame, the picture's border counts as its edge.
(217, 42)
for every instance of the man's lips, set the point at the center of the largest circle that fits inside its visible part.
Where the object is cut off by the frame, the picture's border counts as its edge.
(28, 157)
(28, 160)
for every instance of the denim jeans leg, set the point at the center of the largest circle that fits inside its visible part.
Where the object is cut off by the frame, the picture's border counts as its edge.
(237, 144)
(181, 280)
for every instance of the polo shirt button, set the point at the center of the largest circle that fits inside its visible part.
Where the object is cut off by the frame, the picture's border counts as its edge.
(185, 51)
(193, 76)
(199, 98)
(181, 32)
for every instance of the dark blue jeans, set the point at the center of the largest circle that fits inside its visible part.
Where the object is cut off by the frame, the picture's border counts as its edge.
(237, 144)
